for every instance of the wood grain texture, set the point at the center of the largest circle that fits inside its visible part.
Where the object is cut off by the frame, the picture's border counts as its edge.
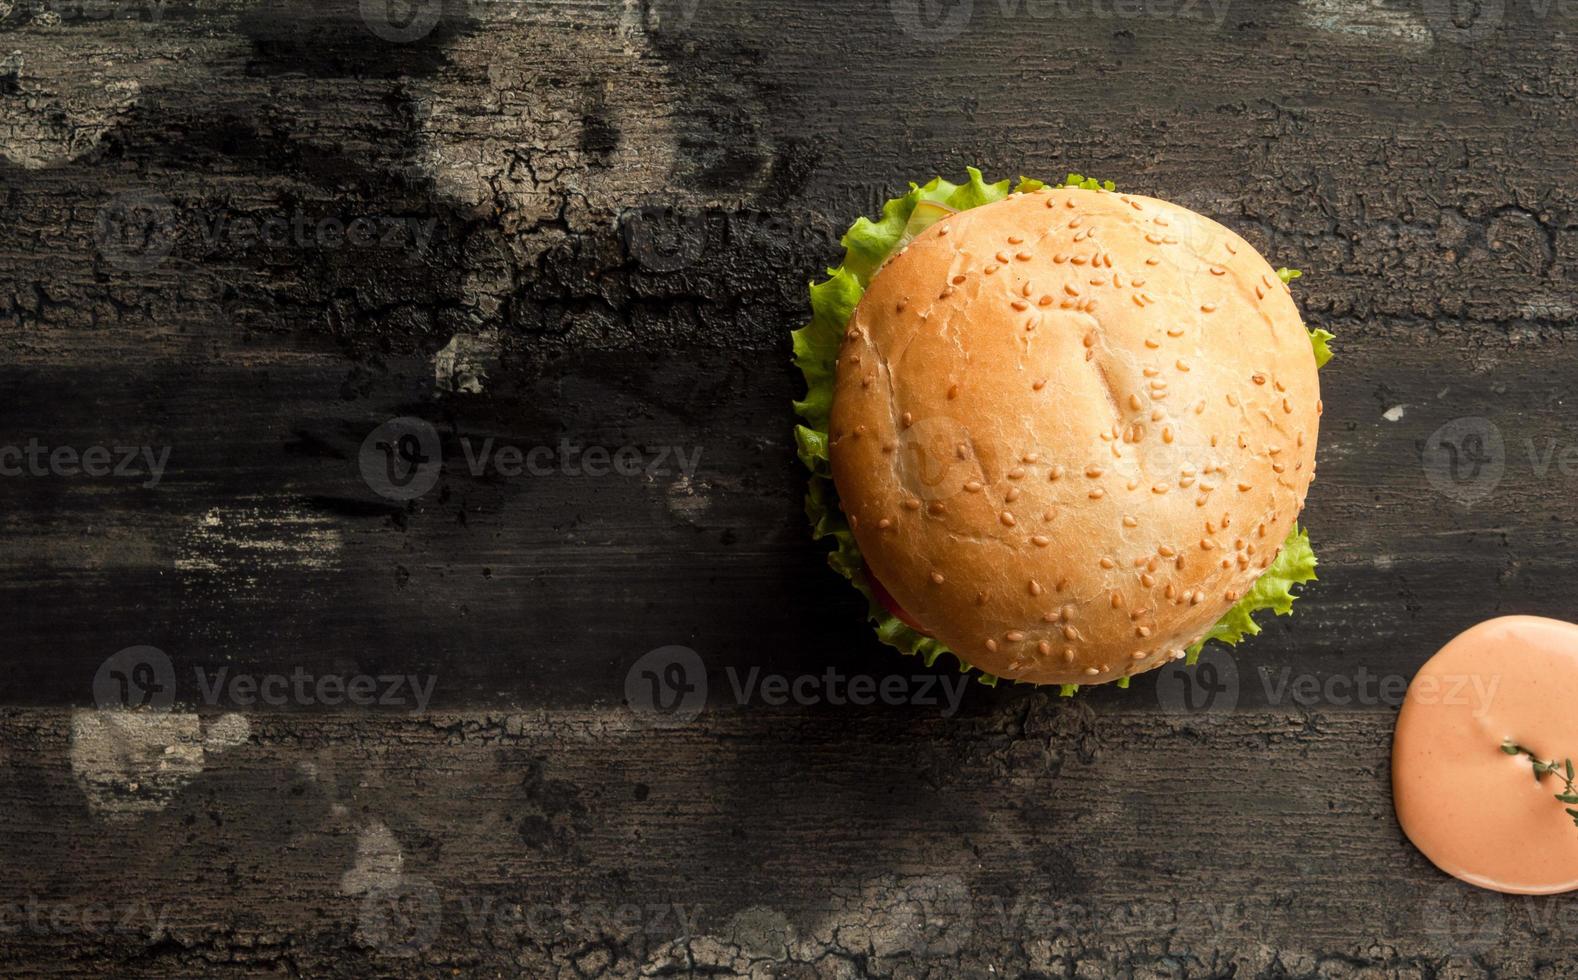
(615, 208)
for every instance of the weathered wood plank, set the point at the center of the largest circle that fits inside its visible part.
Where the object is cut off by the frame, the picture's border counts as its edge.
(1043, 839)
(615, 207)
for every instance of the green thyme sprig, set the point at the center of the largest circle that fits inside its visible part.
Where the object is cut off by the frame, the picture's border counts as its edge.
(1563, 770)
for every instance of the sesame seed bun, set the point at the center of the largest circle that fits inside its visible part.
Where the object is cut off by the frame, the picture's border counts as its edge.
(1070, 429)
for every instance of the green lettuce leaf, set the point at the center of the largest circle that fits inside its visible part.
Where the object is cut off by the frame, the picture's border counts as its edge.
(867, 245)
(1319, 338)
(1294, 565)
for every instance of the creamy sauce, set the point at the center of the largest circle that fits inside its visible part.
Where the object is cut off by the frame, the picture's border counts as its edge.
(1474, 810)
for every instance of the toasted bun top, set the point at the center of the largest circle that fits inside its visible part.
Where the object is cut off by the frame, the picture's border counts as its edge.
(1071, 428)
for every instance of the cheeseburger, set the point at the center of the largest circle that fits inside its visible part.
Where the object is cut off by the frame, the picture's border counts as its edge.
(1059, 432)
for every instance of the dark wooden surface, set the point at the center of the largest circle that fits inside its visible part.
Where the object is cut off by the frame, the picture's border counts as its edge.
(620, 206)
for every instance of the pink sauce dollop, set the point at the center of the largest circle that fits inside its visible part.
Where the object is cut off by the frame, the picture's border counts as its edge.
(1475, 811)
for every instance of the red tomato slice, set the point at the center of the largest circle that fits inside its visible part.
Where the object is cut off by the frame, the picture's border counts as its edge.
(886, 600)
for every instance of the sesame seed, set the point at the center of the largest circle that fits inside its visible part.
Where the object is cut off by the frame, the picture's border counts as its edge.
(1070, 633)
(1107, 562)
(936, 578)
(1035, 587)
(1040, 540)
(936, 507)
(991, 644)
(1044, 648)
(884, 524)
(1007, 519)
(1130, 522)
(1013, 636)
(912, 504)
